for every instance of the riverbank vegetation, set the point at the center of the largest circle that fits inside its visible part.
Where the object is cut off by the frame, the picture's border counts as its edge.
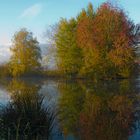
(97, 44)
(25, 116)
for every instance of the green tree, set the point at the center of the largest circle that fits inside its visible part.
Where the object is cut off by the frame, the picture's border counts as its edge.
(69, 55)
(26, 54)
(97, 44)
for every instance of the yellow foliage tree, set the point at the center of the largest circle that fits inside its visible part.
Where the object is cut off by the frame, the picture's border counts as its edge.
(26, 54)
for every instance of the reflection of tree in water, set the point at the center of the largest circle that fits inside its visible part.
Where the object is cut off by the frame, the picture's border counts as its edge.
(89, 114)
(25, 117)
(112, 119)
(70, 105)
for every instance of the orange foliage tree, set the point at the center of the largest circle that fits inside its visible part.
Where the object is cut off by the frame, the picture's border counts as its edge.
(111, 34)
(97, 43)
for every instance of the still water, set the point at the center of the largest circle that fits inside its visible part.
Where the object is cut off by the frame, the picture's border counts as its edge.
(40, 109)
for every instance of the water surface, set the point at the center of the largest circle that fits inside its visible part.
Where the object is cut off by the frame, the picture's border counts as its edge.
(82, 110)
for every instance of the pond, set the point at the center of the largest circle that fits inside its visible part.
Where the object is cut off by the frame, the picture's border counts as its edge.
(56, 109)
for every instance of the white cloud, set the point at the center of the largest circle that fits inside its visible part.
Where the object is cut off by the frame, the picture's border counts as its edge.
(32, 11)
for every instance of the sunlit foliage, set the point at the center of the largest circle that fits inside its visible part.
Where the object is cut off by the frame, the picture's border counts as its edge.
(69, 55)
(97, 44)
(26, 53)
(111, 33)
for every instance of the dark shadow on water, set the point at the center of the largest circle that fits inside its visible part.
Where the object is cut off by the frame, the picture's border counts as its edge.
(25, 116)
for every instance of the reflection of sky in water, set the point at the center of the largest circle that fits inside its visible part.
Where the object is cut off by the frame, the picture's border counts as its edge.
(136, 135)
(4, 97)
(50, 91)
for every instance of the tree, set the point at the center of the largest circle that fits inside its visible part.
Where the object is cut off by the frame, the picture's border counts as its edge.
(26, 54)
(69, 56)
(98, 44)
(107, 39)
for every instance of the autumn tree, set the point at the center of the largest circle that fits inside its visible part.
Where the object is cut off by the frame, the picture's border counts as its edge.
(26, 54)
(69, 56)
(107, 40)
(97, 43)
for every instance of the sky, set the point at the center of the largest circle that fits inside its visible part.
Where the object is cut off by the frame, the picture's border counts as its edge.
(38, 15)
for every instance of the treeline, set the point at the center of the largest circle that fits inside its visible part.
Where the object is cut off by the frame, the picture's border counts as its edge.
(96, 44)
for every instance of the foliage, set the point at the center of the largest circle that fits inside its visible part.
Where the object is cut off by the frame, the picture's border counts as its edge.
(97, 44)
(26, 53)
(69, 56)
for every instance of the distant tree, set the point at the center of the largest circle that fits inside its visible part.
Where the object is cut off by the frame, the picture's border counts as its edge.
(26, 54)
(49, 59)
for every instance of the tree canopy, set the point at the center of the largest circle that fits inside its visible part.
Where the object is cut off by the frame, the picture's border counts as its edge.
(68, 53)
(97, 44)
(26, 54)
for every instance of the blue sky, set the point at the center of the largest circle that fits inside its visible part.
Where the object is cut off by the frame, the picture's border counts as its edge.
(37, 15)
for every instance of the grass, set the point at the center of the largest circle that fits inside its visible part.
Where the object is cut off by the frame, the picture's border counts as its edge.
(25, 117)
